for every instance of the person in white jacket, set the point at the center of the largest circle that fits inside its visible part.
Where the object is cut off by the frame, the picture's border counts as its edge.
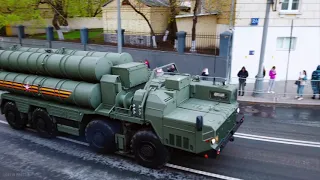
(302, 81)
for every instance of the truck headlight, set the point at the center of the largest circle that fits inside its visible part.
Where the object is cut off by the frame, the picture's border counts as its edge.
(238, 110)
(213, 141)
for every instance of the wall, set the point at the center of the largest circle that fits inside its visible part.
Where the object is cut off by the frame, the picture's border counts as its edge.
(206, 25)
(88, 22)
(130, 20)
(159, 19)
(306, 55)
(223, 6)
(306, 29)
(222, 28)
(307, 15)
(186, 63)
(36, 27)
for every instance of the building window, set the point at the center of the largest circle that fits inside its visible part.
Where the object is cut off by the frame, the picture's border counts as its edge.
(290, 5)
(283, 43)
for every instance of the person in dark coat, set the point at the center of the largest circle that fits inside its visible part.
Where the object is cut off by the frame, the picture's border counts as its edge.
(242, 74)
(315, 82)
(204, 73)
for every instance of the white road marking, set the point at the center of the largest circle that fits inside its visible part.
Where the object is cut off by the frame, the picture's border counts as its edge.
(173, 166)
(200, 172)
(280, 139)
(3, 122)
(74, 141)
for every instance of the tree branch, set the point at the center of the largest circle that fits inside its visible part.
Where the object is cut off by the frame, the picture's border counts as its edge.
(139, 12)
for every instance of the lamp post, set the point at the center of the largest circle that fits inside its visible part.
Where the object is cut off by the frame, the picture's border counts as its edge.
(258, 87)
(119, 27)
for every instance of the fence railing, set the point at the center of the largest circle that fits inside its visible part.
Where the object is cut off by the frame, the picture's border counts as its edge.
(206, 43)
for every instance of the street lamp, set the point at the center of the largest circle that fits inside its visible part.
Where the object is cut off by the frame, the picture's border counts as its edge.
(119, 27)
(258, 87)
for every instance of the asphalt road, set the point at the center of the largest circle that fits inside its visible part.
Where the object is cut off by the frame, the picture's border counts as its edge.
(23, 155)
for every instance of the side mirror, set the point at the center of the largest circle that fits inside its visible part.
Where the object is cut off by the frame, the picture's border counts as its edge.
(199, 123)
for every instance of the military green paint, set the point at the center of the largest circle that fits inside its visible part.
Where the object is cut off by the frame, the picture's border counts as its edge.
(131, 74)
(64, 91)
(84, 68)
(54, 109)
(67, 129)
(112, 85)
(169, 103)
(115, 58)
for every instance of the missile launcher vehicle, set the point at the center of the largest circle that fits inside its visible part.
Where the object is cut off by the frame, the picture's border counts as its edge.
(118, 105)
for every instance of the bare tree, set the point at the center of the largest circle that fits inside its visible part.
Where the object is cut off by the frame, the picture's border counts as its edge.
(60, 16)
(172, 24)
(154, 43)
(194, 24)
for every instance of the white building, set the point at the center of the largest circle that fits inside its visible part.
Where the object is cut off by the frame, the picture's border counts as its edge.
(305, 51)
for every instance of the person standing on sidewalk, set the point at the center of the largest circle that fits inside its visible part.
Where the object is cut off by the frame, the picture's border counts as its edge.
(272, 74)
(315, 82)
(242, 74)
(302, 81)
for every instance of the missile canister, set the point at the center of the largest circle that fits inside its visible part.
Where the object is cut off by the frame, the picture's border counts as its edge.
(115, 58)
(84, 68)
(30, 49)
(82, 94)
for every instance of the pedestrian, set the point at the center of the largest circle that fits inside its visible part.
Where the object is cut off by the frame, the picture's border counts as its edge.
(205, 72)
(264, 72)
(315, 82)
(242, 74)
(302, 81)
(172, 69)
(272, 74)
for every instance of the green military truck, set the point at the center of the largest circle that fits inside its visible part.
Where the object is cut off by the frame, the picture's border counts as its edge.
(118, 105)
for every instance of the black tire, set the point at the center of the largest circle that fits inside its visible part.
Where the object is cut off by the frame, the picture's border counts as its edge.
(101, 136)
(43, 123)
(14, 117)
(148, 150)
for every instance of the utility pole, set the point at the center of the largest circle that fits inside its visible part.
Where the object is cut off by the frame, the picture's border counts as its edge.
(119, 32)
(288, 61)
(258, 88)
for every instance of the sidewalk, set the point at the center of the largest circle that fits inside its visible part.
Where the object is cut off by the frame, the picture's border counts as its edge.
(280, 96)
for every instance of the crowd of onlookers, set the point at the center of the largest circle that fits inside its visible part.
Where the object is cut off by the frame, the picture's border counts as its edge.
(301, 81)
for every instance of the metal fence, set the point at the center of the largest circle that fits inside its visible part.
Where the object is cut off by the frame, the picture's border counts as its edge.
(205, 43)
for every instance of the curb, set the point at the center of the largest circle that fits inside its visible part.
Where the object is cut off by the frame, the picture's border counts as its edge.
(301, 104)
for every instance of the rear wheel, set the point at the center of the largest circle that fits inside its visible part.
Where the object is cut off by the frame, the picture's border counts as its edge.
(44, 124)
(148, 150)
(13, 116)
(101, 135)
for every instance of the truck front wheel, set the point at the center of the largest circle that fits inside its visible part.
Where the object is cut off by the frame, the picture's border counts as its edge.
(148, 150)
(13, 116)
